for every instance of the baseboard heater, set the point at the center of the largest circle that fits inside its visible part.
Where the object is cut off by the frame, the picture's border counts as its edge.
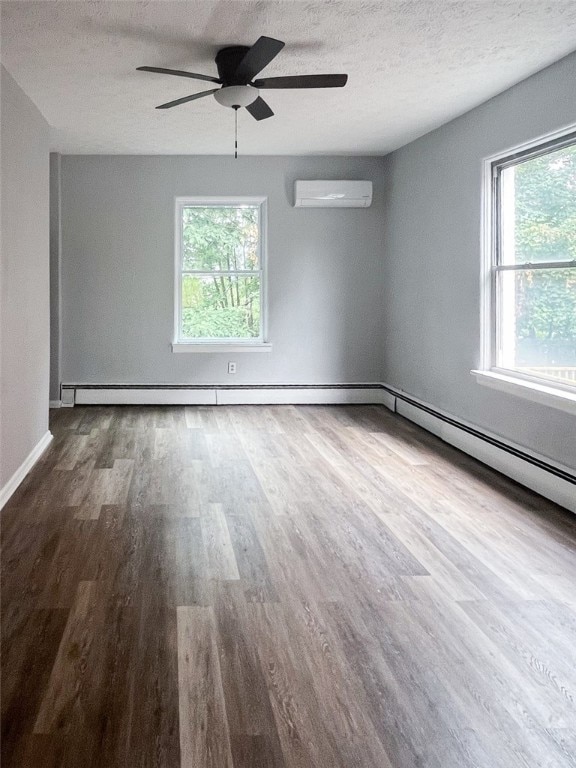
(224, 394)
(548, 478)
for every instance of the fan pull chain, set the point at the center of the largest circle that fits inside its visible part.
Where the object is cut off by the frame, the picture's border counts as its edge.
(235, 133)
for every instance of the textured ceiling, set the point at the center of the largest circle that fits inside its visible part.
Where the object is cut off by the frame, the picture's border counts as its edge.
(412, 65)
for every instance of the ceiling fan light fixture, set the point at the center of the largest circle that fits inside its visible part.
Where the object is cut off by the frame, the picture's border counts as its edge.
(237, 67)
(236, 95)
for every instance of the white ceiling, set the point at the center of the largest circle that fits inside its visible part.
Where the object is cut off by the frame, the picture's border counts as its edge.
(412, 65)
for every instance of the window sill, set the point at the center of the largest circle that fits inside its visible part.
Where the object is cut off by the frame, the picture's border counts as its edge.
(191, 346)
(530, 390)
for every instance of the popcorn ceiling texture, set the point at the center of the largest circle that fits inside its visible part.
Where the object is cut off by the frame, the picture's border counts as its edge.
(413, 65)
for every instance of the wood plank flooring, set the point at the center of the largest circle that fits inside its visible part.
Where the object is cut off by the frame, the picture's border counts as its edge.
(281, 587)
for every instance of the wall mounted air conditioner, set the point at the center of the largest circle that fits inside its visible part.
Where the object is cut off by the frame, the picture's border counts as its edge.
(332, 194)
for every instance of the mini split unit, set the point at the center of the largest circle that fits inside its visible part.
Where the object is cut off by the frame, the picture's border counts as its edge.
(332, 194)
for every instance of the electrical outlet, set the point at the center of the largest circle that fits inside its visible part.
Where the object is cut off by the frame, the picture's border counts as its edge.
(231, 367)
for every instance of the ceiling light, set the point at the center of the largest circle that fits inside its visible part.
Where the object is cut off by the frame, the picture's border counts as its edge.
(236, 95)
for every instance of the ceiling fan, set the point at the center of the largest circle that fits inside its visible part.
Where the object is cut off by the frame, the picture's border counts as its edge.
(237, 66)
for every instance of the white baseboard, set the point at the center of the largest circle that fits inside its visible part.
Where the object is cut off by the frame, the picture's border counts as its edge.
(12, 484)
(269, 395)
(536, 478)
(55, 404)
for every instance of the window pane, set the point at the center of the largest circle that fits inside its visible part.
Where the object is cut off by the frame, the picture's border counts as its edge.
(223, 238)
(220, 307)
(537, 322)
(538, 200)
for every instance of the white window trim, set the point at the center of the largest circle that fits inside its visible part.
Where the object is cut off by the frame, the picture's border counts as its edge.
(513, 382)
(224, 346)
(259, 344)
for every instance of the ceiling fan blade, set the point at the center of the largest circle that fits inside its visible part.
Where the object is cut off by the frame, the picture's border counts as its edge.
(183, 100)
(302, 81)
(259, 109)
(179, 73)
(258, 57)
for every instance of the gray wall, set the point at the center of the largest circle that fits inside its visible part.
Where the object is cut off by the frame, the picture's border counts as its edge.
(431, 257)
(24, 314)
(324, 283)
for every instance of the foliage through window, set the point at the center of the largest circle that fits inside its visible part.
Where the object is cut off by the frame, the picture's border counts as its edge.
(534, 267)
(220, 271)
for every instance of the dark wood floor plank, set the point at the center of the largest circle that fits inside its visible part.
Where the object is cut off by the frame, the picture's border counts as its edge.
(155, 722)
(60, 706)
(204, 733)
(30, 642)
(248, 709)
(252, 752)
(305, 738)
(218, 546)
(251, 560)
(345, 706)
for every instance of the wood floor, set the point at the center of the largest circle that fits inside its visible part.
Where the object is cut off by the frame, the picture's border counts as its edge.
(281, 587)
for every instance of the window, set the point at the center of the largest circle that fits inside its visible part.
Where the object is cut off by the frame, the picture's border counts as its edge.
(532, 301)
(220, 282)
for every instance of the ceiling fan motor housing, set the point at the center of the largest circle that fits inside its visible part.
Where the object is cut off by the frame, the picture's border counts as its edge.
(235, 91)
(227, 61)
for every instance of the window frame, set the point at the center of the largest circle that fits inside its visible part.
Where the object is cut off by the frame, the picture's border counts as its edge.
(254, 344)
(533, 387)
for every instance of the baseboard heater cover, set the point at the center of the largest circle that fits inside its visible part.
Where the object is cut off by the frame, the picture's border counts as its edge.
(143, 396)
(262, 394)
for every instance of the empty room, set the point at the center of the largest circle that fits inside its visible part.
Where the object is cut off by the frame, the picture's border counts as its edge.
(288, 384)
